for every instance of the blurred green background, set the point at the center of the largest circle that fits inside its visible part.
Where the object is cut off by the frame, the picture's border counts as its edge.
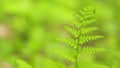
(28, 29)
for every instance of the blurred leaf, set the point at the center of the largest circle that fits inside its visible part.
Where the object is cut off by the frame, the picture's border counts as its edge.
(42, 62)
(22, 64)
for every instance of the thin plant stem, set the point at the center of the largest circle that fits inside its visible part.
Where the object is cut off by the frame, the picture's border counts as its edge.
(76, 62)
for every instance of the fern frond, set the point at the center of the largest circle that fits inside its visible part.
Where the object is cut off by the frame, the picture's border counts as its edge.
(87, 22)
(87, 11)
(70, 54)
(80, 35)
(69, 42)
(77, 24)
(70, 58)
(88, 16)
(82, 12)
(88, 8)
(83, 39)
(81, 18)
(91, 50)
(71, 31)
(87, 30)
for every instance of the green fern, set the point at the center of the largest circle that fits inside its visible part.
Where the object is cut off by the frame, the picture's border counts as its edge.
(90, 50)
(88, 30)
(80, 34)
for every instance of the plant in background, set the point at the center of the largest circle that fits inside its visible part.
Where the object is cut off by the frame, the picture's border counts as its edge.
(81, 33)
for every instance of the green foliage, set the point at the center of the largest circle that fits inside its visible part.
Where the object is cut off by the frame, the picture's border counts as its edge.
(83, 39)
(91, 50)
(88, 30)
(31, 22)
(91, 65)
(81, 34)
(22, 64)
